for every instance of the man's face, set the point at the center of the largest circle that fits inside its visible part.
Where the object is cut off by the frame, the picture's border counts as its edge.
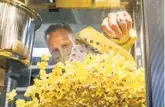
(59, 45)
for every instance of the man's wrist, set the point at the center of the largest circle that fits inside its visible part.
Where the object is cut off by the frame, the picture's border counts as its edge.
(127, 41)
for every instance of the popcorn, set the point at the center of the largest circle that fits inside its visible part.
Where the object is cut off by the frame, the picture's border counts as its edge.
(44, 58)
(20, 103)
(11, 95)
(107, 80)
(43, 74)
(42, 65)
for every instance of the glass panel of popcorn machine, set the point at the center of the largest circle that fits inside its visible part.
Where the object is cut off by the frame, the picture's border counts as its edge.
(96, 54)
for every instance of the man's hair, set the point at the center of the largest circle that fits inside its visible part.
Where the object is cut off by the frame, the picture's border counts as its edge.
(55, 27)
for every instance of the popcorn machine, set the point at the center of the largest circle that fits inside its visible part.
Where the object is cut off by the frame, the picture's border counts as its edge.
(17, 27)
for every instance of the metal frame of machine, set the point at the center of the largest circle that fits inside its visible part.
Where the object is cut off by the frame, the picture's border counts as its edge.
(146, 54)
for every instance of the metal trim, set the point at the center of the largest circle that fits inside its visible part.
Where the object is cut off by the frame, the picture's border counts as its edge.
(146, 54)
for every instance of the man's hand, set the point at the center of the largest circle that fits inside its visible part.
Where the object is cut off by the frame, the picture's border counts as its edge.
(115, 25)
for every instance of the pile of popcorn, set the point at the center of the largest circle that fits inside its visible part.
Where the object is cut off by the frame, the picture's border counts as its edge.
(107, 80)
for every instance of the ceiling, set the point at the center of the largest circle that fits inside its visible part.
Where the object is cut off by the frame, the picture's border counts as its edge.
(73, 16)
(77, 18)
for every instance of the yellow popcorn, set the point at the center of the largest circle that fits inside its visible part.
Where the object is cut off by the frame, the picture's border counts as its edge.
(44, 58)
(43, 74)
(20, 103)
(32, 91)
(29, 91)
(11, 95)
(42, 65)
(102, 80)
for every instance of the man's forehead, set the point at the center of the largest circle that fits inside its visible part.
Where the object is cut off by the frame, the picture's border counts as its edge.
(59, 33)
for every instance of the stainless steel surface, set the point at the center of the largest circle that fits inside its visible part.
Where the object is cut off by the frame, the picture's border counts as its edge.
(10, 84)
(152, 41)
(154, 11)
(142, 49)
(17, 26)
(146, 56)
(138, 25)
(24, 7)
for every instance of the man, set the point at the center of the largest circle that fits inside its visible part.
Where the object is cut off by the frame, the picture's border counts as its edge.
(61, 44)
